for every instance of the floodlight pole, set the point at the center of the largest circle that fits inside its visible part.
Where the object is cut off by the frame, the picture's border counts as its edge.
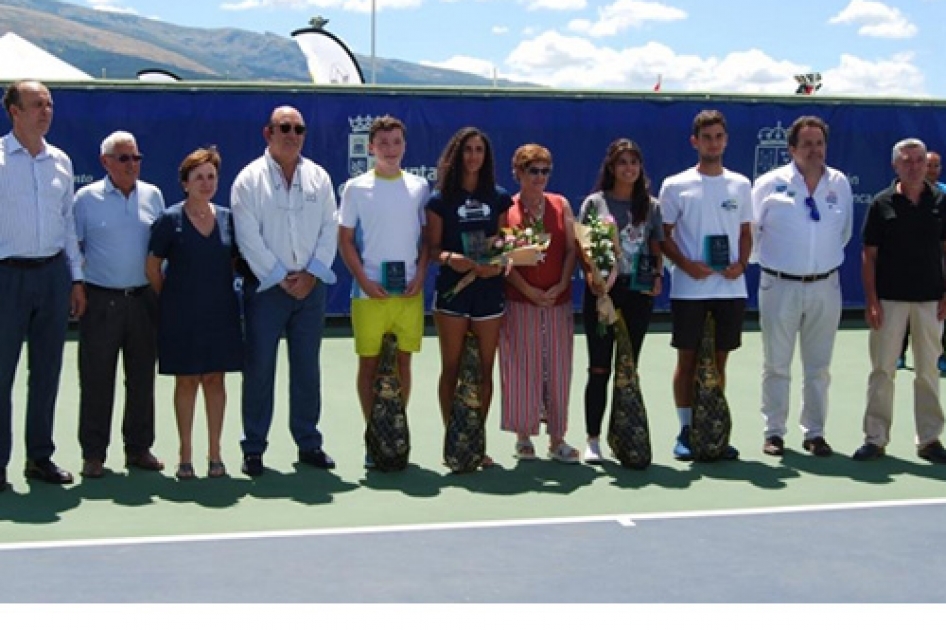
(374, 65)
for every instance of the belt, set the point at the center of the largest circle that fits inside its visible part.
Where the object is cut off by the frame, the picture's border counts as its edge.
(29, 263)
(815, 277)
(130, 292)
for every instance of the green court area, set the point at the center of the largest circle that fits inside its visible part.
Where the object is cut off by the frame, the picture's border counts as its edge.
(293, 497)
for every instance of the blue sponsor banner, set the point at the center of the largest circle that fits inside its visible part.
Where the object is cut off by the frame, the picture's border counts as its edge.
(172, 120)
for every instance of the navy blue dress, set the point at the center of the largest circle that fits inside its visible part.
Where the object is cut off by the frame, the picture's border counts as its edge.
(199, 329)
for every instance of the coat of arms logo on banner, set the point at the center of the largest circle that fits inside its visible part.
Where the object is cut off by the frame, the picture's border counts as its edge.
(772, 149)
(359, 160)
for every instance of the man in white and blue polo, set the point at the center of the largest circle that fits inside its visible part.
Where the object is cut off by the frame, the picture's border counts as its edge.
(113, 224)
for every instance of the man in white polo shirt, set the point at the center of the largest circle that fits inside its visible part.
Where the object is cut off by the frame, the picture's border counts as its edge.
(802, 219)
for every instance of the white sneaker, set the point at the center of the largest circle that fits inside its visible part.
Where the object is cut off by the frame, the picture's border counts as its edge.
(593, 452)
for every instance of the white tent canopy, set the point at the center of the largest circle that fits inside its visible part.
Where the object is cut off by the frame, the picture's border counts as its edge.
(19, 59)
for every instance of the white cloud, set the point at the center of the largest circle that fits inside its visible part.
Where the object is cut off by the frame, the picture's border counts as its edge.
(554, 5)
(624, 14)
(571, 62)
(111, 7)
(876, 19)
(462, 63)
(355, 6)
(574, 62)
(896, 76)
(500, 30)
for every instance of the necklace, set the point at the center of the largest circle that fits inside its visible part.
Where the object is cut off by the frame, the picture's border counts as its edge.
(199, 214)
(535, 210)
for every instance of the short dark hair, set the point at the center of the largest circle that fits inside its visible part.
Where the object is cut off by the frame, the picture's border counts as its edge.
(12, 96)
(806, 121)
(708, 118)
(385, 123)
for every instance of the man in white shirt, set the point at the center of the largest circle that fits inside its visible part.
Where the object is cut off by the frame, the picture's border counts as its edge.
(802, 218)
(40, 273)
(707, 216)
(284, 214)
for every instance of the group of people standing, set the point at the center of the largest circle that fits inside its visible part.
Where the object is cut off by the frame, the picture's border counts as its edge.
(154, 284)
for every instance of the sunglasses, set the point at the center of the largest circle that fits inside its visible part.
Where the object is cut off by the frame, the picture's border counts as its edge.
(287, 127)
(534, 170)
(812, 209)
(125, 158)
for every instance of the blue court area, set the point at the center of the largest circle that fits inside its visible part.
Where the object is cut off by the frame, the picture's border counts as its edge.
(867, 554)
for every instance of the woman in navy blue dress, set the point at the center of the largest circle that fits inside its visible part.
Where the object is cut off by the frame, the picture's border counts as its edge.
(199, 332)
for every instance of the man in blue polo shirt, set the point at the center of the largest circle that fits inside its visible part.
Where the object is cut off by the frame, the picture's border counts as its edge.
(113, 223)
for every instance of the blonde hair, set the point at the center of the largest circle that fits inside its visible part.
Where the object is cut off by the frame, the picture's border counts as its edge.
(528, 154)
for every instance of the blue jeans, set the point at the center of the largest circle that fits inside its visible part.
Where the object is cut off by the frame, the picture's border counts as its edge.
(267, 315)
(35, 308)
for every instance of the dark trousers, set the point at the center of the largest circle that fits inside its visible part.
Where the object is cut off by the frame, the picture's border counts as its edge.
(116, 323)
(636, 309)
(267, 316)
(34, 307)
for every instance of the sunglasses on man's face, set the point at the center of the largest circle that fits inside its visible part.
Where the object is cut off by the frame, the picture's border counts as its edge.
(535, 170)
(125, 158)
(287, 127)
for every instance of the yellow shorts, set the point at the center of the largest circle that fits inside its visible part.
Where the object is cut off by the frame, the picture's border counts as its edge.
(371, 319)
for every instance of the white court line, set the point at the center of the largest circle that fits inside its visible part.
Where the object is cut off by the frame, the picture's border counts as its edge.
(625, 520)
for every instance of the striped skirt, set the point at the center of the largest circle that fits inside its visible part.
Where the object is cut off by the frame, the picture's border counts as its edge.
(535, 363)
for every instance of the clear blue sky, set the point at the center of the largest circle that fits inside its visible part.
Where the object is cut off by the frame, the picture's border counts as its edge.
(862, 47)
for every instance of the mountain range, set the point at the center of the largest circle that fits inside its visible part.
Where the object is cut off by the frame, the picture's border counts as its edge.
(116, 46)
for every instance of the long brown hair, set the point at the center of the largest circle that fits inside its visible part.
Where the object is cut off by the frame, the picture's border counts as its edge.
(450, 165)
(640, 193)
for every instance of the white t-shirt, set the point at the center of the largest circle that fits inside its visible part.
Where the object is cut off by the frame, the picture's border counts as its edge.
(698, 206)
(388, 216)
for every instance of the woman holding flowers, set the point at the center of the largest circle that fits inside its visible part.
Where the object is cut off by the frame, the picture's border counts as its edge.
(535, 342)
(622, 200)
(464, 214)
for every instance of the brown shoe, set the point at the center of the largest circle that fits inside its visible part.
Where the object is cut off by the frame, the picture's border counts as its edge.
(93, 469)
(817, 447)
(46, 470)
(774, 445)
(144, 461)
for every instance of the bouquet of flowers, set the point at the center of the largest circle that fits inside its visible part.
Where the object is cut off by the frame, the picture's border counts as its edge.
(599, 246)
(512, 247)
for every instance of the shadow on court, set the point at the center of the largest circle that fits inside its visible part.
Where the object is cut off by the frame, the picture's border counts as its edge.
(881, 471)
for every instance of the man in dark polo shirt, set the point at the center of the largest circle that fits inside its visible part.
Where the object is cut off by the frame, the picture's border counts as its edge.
(904, 236)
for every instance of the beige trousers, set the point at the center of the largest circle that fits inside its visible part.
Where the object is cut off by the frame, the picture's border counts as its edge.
(885, 346)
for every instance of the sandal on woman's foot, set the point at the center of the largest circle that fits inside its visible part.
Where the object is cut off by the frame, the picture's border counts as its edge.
(525, 451)
(185, 471)
(564, 453)
(216, 469)
(487, 462)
